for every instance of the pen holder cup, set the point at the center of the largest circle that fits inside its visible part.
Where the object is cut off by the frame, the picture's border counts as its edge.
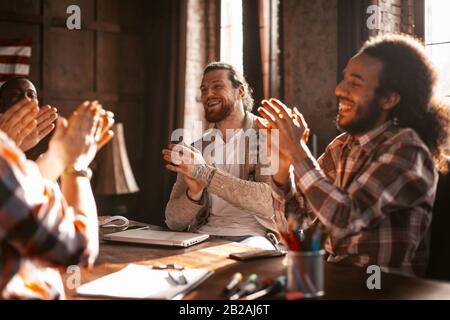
(306, 273)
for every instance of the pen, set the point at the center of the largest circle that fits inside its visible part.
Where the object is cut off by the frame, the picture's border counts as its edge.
(300, 235)
(249, 287)
(172, 278)
(181, 280)
(233, 284)
(316, 240)
(275, 287)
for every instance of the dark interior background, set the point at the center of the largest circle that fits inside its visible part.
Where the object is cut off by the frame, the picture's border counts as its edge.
(127, 55)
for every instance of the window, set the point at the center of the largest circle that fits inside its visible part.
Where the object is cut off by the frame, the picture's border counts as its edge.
(437, 40)
(231, 48)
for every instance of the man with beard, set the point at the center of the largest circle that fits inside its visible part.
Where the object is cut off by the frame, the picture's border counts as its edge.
(373, 189)
(219, 196)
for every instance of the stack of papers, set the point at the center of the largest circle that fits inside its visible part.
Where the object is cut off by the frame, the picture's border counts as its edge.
(143, 282)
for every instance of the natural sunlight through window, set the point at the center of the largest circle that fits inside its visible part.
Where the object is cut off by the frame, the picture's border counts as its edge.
(231, 49)
(437, 40)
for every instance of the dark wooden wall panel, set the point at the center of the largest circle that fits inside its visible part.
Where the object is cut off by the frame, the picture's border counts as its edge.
(132, 13)
(108, 62)
(103, 61)
(31, 7)
(132, 60)
(108, 11)
(72, 69)
(127, 56)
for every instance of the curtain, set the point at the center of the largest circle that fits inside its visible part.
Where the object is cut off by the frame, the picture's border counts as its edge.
(352, 30)
(165, 85)
(252, 55)
(261, 48)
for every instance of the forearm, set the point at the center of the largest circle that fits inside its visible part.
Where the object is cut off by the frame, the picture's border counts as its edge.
(51, 167)
(288, 201)
(248, 195)
(78, 194)
(340, 210)
(281, 176)
(180, 210)
(41, 224)
(400, 184)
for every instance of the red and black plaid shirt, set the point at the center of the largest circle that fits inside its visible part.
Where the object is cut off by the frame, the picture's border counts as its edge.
(374, 194)
(39, 232)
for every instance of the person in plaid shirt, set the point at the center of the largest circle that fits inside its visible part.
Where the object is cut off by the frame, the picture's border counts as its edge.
(373, 189)
(43, 227)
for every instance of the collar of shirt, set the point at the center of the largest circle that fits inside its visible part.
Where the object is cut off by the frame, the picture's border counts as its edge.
(368, 140)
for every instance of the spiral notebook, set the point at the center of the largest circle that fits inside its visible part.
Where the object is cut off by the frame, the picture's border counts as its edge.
(142, 282)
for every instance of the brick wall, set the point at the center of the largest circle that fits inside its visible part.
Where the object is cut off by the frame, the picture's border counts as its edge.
(396, 16)
(310, 63)
(310, 56)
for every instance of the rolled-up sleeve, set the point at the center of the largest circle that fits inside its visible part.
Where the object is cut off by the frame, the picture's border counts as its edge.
(35, 218)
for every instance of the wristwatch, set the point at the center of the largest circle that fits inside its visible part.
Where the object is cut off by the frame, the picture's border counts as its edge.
(79, 171)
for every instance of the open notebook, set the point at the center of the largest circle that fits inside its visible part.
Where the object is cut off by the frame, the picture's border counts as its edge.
(143, 282)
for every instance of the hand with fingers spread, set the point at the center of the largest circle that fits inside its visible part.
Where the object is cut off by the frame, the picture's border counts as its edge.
(290, 123)
(293, 133)
(189, 162)
(77, 140)
(45, 124)
(104, 132)
(19, 121)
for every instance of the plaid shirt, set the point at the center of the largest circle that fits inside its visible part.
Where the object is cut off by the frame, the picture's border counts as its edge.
(38, 231)
(374, 195)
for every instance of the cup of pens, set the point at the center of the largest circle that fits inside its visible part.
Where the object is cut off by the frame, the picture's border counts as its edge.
(305, 271)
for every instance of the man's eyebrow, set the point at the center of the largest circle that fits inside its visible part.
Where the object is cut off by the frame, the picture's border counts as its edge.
(356, 75)
(212, 82)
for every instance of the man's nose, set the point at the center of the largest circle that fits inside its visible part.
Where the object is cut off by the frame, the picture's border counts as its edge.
(207, 93)
(341, 89)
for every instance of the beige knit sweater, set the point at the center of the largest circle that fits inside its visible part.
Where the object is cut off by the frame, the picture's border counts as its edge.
(251, 192)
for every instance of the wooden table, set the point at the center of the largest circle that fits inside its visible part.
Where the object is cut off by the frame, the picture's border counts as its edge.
(341, 282)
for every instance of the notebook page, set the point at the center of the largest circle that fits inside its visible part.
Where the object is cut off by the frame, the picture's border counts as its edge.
(142, 282)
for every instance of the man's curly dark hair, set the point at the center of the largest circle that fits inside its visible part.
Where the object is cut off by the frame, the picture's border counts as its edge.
(408, 71)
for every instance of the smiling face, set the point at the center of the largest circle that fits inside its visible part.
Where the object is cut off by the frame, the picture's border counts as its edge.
(360, 108)
(218, 96)
(15, 90)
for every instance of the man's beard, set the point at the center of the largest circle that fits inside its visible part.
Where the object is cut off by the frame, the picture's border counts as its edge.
(365, 120)
(220, 115)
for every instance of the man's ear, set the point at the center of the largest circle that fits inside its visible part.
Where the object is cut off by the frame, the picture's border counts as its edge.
(241, 90)
(390, 101)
